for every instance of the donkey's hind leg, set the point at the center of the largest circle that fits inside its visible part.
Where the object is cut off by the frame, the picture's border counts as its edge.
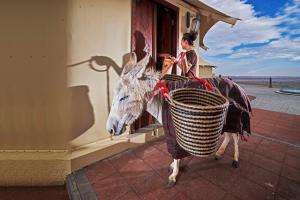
(223, 146)
(175, 170)
(235, 162)
(171, 167)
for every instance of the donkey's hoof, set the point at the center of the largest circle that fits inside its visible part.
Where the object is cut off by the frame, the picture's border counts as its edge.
(171, 183)
(217, 157)
(235, 164)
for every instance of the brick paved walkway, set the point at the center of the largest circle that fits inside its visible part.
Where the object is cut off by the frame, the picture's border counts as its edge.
(268, 169)
(142, 174)
(281, 126)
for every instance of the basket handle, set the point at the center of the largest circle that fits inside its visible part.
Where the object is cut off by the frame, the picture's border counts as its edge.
(206, 84)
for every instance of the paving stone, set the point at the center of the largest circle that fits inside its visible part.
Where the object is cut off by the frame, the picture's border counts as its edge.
(99, 170)
(130, 196)
(261, 176)
(292, 161)
(247, 190)
(291, 173)
(154, 188)
(221, 177)
(293, 152)
(200, 188)
(112, 187)
(266, 163)
(230, 197)
(288, 189)
(272, 150)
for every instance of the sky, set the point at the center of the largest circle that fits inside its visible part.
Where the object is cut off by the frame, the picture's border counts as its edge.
(266, 42)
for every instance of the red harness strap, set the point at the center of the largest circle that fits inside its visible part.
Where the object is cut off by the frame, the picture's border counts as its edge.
(164, 90)
(204, 82)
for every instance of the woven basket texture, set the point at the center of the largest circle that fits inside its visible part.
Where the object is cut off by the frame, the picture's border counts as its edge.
(198, 116)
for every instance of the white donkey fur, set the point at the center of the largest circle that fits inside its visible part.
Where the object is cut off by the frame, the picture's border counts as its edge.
(132, 95)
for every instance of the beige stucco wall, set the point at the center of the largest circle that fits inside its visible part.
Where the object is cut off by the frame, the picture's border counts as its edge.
(205, 72)
(96, 28)
(50, 97)
(45, 103)
(43, 99)
(34, 96)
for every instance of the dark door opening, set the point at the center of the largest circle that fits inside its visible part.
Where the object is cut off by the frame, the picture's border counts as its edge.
(156, 23)
(166, 33)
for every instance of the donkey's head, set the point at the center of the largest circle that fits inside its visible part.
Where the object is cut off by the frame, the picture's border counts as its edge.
(131, 94)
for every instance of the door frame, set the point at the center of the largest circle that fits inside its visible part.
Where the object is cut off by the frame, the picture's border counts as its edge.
(176, 35)
(154, 28)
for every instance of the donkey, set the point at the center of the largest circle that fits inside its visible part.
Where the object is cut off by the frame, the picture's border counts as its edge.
(133, 94)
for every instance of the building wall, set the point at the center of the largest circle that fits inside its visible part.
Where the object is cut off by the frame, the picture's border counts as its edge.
(100, 31)
(33, 92)
(47, 102)
(50, 93)
(104, 33)
(34, 97)
(59, 62)
(205, 72)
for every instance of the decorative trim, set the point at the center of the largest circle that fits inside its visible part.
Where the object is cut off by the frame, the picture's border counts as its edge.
(51, 167)
(79, 187)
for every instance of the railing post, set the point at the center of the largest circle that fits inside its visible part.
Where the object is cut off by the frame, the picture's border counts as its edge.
(270, 82)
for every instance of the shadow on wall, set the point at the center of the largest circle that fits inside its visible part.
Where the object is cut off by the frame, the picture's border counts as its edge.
(140, 44)
(83, 116)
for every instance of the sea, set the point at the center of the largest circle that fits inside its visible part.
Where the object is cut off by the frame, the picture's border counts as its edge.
(286, 82)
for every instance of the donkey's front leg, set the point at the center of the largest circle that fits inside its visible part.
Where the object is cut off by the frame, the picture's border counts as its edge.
(235, 162)
(175, 170)
(223, 146)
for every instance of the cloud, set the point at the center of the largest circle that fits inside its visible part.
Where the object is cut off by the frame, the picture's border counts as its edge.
(296, 58)
(282, 48)
(254, 29)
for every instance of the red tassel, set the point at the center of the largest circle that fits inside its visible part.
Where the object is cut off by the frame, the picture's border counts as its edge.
(204, 82)
(163, 87)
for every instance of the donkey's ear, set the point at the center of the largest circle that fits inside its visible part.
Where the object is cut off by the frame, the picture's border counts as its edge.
(129, 64)
(142, 65)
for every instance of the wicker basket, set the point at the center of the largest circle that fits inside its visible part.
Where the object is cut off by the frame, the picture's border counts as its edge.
(173, 77)
(198, 116)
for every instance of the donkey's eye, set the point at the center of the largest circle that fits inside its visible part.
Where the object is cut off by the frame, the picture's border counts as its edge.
(123, 98)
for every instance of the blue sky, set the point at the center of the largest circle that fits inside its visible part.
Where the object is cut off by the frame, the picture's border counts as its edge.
(266, 42)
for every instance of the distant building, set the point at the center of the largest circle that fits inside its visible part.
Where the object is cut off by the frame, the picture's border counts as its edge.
(205, 68)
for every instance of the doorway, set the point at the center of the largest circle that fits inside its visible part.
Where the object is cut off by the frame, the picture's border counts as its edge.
(166, 32)
(154, 22)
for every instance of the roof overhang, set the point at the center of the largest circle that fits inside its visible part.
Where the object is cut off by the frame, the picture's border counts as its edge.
(208, 18)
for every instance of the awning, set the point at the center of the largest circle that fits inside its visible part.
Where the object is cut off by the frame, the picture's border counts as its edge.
(209, 17)
(204, 63)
